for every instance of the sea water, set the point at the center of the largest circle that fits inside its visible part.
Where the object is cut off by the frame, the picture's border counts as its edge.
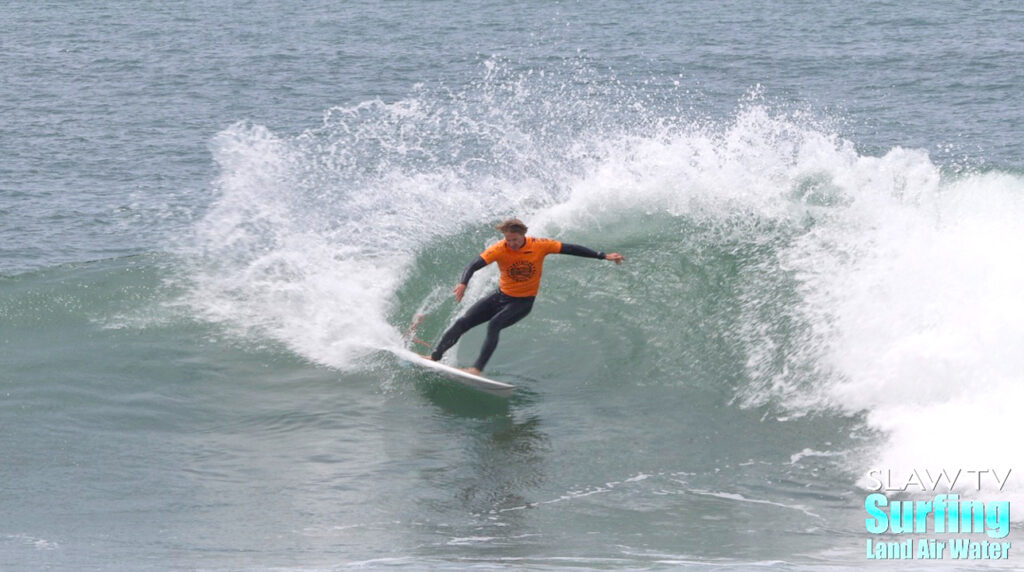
(218, 218)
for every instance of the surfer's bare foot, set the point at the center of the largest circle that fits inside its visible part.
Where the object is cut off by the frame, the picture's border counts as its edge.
(471, 370)
(426, 357)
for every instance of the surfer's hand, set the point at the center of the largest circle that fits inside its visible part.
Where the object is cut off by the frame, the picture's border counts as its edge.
(615, 257)
(460, 290)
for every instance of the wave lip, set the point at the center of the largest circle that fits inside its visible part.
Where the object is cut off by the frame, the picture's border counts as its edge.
(875, 286)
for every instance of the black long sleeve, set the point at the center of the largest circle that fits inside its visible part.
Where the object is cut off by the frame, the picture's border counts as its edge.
(467, 273)
(577, 250)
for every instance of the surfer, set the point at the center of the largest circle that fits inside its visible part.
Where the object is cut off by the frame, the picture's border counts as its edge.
(520, 259)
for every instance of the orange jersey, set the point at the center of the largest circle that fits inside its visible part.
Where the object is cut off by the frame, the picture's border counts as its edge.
(521, 269)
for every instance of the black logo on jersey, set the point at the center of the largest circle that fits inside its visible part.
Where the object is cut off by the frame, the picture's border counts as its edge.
(521, 271)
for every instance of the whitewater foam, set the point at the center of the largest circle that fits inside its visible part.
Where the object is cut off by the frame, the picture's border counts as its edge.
(883, 288)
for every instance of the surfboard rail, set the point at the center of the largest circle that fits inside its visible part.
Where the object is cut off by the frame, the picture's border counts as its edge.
(457, 375)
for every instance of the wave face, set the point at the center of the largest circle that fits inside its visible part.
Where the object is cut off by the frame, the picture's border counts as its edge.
(204, 265)
(765, 252)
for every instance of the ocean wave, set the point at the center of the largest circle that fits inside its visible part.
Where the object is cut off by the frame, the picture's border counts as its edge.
(806, 275)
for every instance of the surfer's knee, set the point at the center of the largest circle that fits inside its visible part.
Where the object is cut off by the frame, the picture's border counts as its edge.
(460, 326)
(494, 327)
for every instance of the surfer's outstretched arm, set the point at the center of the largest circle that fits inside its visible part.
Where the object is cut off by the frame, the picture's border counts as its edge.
(471, 268)
(467, 273)
(577, 250)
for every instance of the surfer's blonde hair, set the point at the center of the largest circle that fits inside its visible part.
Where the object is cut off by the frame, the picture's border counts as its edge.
(512, 225)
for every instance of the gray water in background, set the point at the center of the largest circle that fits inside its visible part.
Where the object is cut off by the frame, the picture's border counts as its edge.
(152, 417)
(108, 108)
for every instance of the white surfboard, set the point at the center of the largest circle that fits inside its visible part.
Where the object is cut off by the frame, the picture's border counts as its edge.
(478, 382)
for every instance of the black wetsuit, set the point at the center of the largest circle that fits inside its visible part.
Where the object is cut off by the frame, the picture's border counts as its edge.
(499, 309)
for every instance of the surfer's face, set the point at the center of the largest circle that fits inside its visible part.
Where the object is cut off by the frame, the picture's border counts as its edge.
(514, 240)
